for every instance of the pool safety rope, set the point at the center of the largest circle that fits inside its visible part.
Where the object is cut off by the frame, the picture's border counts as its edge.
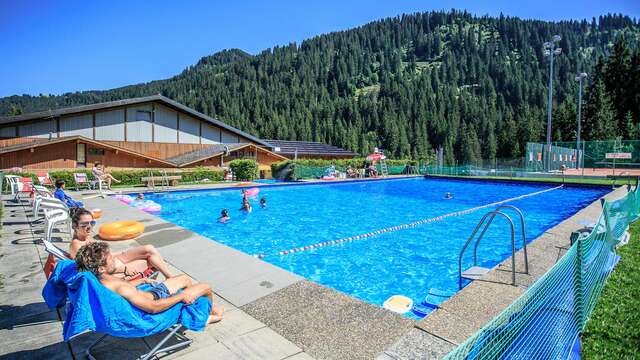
(402, 226)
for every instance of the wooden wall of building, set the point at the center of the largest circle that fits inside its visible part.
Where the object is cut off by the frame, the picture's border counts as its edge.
(120, 159)
(54, 156)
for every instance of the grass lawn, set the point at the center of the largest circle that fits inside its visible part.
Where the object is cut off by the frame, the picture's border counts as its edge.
(613, 331)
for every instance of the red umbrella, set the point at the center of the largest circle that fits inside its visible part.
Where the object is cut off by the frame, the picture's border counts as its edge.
(376, 157)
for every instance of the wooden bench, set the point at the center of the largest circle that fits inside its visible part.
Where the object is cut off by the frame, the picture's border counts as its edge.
(152, 180)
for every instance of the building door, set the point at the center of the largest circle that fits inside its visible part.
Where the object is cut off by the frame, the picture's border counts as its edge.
(81, 155)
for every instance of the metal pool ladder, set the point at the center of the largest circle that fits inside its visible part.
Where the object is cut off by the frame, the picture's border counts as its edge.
(475, 272)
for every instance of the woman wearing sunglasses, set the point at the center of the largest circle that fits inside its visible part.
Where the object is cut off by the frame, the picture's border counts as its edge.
(129, 262)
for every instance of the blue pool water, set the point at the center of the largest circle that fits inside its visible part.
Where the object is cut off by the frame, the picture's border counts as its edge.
(407, 262)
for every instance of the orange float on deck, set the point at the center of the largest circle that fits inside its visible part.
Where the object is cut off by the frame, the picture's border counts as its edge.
(121, 230)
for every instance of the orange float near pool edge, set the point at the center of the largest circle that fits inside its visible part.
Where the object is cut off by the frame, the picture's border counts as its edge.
(121, 230)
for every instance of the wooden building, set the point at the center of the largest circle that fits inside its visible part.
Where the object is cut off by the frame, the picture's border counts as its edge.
(146, 132)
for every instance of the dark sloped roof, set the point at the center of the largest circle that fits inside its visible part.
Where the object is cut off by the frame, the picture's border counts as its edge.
(34, 143)
(307, 147)
(203, 153)
(110, 104)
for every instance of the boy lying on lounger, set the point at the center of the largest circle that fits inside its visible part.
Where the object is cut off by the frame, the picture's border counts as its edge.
(96, 258)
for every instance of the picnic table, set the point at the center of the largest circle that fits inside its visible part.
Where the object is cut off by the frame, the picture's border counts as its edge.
(151, 180)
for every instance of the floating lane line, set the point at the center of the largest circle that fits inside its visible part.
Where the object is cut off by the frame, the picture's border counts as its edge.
(401, 226)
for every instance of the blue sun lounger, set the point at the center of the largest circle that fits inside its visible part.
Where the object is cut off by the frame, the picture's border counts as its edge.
(93, 307)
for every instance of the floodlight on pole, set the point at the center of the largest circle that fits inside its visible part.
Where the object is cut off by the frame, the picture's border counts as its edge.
(551, 51)
(579, 79)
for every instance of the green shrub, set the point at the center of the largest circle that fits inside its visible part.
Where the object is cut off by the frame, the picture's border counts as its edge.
(244, 169)
(340, 164)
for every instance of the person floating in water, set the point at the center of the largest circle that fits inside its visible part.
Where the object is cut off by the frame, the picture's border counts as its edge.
(246, 206)
(140, 197)
(224, 216)
(263, 203)
(448, 195)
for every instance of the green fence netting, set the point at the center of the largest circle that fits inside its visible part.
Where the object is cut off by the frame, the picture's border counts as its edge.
(595, 152)
(545, 321)
(316, 172)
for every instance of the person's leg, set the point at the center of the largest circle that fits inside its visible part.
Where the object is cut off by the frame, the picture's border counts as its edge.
(148, 253)
(216, 311)
(178, 282)
(130, 268)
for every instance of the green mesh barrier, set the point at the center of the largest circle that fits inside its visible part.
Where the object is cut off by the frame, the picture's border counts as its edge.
(316, 172)
(544, 321)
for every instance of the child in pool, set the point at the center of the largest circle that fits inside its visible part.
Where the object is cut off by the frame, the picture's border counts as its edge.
(224, 216)
(140, 197)
(448, 196)
(246, 206)
(263, 203)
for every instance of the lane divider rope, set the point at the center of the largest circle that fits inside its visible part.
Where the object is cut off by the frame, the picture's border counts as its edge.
(402, 226)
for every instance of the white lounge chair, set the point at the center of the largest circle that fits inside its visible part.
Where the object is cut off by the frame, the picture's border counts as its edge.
(53, 217)
(45, 202)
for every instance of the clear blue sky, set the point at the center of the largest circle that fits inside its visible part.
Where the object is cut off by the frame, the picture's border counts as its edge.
(52, 47)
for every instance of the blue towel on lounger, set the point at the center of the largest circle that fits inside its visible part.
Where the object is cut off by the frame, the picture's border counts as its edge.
(92, 306)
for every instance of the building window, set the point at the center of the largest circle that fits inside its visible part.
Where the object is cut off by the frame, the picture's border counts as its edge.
(94, 151)
(143, 115)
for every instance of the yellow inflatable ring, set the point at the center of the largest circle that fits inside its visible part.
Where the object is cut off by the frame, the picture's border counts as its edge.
(244, 184)
(121, 230)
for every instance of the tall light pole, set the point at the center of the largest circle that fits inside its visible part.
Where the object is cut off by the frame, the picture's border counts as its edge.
(579, 79)
(551, 50)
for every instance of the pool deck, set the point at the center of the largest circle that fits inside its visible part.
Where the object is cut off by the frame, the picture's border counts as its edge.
(271, 313)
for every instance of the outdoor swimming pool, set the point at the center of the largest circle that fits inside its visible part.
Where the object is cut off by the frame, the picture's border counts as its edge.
(408, 261)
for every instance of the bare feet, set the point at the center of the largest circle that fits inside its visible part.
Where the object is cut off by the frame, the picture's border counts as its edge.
(216, 315)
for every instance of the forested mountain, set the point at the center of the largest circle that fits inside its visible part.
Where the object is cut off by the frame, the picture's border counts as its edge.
(477, 86)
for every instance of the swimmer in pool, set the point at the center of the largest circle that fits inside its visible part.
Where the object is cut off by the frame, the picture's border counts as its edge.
(263, 203)
(224, 216)
(246, 206)
(140, 196)
(245, 195)
(448, 195)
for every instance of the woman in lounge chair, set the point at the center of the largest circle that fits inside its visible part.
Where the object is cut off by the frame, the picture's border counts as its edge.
(100, 173)
(130, 262)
